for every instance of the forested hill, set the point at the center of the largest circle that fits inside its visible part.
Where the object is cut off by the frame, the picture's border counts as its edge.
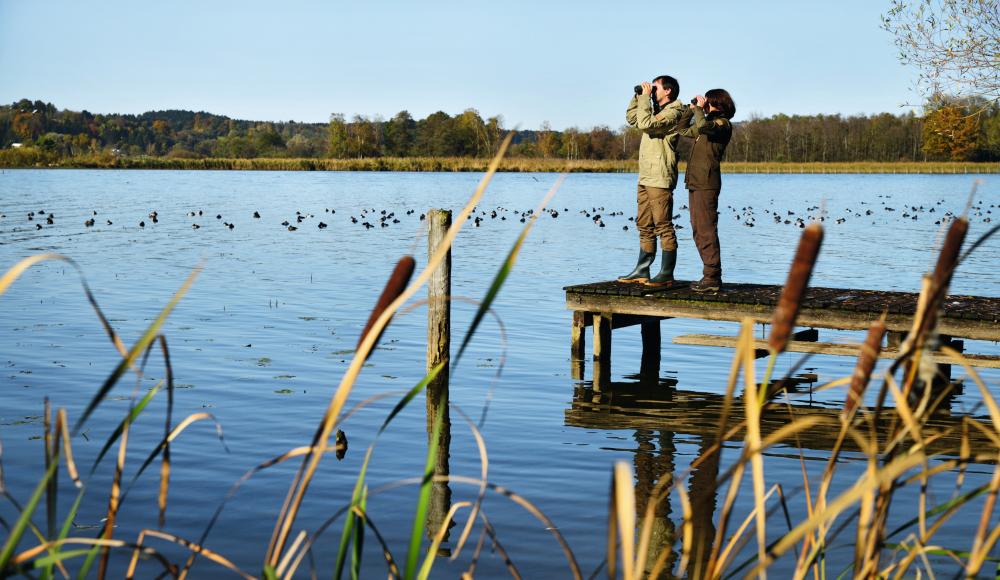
(950, 131)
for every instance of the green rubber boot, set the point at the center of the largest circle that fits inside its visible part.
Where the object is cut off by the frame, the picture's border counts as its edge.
(641, 272)
(666, 275)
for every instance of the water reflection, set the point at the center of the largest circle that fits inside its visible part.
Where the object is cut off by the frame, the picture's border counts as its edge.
(657, 413)
(440, 502)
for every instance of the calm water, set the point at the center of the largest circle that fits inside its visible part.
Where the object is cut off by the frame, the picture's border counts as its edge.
(263, 337)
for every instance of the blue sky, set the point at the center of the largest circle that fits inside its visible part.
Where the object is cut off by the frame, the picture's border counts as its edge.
(569, 63)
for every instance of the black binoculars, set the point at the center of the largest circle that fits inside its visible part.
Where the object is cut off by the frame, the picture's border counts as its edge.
(638, 89)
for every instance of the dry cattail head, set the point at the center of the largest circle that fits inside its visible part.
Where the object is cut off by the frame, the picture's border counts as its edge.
(798, 280)
(863, 370)
(941, 277)
(948, 258)
(393, 288)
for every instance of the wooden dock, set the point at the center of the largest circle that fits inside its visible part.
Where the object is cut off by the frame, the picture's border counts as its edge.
(607, 306)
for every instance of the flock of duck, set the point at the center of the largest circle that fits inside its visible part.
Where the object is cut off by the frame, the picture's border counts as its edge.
(747, 216)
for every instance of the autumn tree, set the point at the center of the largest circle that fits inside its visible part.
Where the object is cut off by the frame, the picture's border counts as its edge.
(951, 132)
(548, 141)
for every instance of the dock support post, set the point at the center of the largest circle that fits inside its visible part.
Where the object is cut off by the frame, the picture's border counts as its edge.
(439, 352)
(578, 344)
(602, 350)
(649, 369)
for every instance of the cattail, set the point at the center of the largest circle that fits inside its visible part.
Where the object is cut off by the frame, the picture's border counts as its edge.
(863, 370)
(795, 288)
(948, 258)
(945, 267)
(393, 288)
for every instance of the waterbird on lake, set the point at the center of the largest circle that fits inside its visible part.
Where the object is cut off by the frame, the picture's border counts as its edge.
(49, 220)
(292, 228)
(322, 225)
(195, 226)
(284, 223)
(230, 226)
(38, 226)
(89, 223)
(109, 222)
(218, 216)
(256, 215)
(142, 224)
(354, 220)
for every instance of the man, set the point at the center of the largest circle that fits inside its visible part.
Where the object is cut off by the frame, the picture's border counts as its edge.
(657, 177)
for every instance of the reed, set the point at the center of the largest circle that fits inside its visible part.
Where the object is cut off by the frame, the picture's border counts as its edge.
(31, 157)
(793, 292)
(860, 506)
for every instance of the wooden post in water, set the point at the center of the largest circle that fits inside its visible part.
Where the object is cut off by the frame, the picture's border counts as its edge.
(578, 344)
(438, 352)
(602, 351)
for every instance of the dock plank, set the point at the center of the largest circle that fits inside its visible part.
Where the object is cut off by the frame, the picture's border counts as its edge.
(973, 317)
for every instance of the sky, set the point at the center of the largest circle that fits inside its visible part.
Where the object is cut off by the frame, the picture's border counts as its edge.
(571, 63)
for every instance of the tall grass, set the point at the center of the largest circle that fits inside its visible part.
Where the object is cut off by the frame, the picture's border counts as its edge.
(30, 157)
(893, 461)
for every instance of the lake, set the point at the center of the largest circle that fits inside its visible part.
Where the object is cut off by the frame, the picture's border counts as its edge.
(264, 335)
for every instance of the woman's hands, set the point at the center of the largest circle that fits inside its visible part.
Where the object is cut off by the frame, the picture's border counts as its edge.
(699, 102)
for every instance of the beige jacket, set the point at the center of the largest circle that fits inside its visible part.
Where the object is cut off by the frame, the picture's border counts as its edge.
(658, 148)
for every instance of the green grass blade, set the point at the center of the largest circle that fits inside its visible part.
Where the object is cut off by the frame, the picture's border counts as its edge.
(269, 573)
(955, 502)
(502, 273)
(349, 521)
(140, 346)
(424, 499)
(49, 561)
(359, 537)
(130, 418)
(22, 520)
(63, 533)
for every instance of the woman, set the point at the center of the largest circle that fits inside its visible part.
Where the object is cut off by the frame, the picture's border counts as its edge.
(707, 122)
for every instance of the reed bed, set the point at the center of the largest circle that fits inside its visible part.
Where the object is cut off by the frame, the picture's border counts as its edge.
(33, 158)
(742, 544)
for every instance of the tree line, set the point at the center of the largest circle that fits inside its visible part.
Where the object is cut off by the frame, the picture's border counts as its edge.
(949, 130)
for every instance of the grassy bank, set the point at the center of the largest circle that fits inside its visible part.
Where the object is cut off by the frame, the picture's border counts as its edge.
(33, 158)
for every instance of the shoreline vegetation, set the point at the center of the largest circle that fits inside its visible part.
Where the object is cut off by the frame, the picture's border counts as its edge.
(30, 159)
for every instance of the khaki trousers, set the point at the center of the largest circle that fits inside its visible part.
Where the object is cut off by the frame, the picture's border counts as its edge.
(704, 206)
(655, 218)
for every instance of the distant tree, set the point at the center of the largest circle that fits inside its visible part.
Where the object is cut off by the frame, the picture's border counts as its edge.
(399, 134)
(955, 44)
(267, 140)
(339, 138)
(300, 146)
(364, 137)
(548, 141)
(951, 132)
(436, 136)
(603, 143)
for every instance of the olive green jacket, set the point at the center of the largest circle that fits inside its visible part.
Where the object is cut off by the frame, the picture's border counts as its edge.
(711, 134)
(658, 147)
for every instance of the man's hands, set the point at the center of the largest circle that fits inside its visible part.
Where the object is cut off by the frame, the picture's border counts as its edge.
(647, 89)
